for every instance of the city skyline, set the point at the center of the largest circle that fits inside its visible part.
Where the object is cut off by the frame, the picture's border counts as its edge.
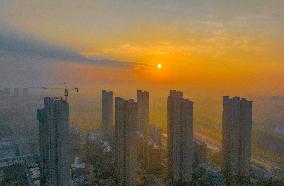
(141, 93)
(183, 161)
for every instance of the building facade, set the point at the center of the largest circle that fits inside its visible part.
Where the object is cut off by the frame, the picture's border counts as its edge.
(25, 91)
(155, 135)
(180, 138)
(54, 140)
(142, 112)
(107, 112)
(7, 91)
(125, 141)
(236, 137)
(200, 152)
(16, 92)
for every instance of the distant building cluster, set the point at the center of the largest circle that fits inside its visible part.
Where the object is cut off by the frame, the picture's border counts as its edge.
(7, 92)
(199, 152)
(184, 151)
(155, 135)
(125, 122)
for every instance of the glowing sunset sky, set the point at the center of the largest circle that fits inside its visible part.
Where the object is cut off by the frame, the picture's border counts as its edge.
(221, 43)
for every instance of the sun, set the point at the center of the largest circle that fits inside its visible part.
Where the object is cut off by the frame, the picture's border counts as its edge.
(159, 66)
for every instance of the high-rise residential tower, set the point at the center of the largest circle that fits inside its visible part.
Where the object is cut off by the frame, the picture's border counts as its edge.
(142, 112)
(155, 135)
(16, 92)
(199, 152)
(143, 123)
(7, 91)
(54, 140)
(107, 112)
(236, 133)
(180, 138)
(125, 141)
(25, 91)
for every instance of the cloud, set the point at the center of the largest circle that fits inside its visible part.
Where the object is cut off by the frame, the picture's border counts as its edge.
(13, 43)
(26, 61)
(108, 63)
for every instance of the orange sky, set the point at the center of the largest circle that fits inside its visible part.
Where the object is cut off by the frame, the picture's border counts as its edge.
(224, 45)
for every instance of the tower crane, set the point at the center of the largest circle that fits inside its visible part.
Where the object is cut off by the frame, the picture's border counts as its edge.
(65, 88)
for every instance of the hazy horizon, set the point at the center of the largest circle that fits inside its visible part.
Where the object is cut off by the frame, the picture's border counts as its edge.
(221, 47)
